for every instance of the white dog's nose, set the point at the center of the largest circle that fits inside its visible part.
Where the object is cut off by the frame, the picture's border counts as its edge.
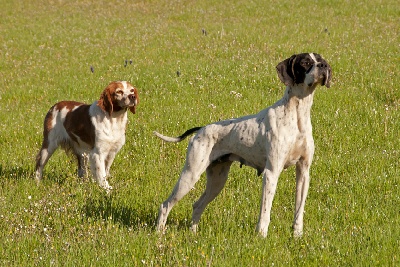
(322, 65)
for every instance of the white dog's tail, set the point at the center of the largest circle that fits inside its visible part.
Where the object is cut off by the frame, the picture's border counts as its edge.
(179, 138)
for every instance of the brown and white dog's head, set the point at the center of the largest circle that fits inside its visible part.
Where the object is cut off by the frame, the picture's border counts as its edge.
(308, 68)
(117, 96)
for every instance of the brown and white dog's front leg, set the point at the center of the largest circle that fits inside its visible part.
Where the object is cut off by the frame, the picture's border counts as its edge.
(108, 162)
(82, 164)
(97, 165)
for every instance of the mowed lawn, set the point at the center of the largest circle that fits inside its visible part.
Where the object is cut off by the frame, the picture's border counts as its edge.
(196, 62)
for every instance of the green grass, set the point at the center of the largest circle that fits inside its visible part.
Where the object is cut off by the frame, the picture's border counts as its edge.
(352, 212)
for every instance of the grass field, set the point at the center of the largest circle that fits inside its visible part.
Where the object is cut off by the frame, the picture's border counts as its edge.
(226, 53)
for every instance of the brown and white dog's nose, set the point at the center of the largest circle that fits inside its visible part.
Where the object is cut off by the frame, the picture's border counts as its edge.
(132, 97)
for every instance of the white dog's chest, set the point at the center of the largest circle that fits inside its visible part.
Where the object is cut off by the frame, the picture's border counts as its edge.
(302, 148)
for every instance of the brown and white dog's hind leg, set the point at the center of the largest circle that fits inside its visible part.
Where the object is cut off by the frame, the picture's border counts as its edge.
(41, 159)
(82, 159)
(49, 145)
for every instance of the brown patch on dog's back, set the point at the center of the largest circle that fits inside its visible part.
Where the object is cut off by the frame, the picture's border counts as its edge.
(78, 123)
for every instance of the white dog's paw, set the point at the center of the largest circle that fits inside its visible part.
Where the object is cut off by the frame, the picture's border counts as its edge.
(161, 229)
(297, 233)
(263, 231)
(194, 227)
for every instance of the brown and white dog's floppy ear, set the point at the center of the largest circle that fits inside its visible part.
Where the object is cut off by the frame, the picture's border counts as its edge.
(105, 102)
(285, 71)
(133, 109)
(136, 94)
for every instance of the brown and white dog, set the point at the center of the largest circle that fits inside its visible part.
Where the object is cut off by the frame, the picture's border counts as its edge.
(96, 131)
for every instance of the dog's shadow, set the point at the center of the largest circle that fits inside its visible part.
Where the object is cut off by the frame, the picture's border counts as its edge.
(19, 173)
(102, 206)
(14, 172)
(107, 209)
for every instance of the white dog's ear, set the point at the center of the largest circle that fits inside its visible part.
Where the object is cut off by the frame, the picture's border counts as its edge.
(286, 72)
(328, 76)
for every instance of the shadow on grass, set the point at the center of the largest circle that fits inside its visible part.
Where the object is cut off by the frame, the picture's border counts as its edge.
(56, 177)
(106, 208)
(18, 173)
(15, 172)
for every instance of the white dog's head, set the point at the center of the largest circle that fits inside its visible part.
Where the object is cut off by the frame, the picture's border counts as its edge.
(308, 68)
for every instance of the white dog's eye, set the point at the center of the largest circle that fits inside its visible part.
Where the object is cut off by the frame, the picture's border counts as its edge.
(120, 92)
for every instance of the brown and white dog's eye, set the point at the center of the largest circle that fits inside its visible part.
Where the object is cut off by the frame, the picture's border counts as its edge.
(132, 90)
(120, 92)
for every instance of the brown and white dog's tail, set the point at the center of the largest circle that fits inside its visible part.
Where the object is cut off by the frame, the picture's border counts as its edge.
(179, 138)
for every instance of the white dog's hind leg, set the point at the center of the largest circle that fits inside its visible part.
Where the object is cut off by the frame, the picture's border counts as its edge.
(183, 186)
(217, 174)
(196, 163)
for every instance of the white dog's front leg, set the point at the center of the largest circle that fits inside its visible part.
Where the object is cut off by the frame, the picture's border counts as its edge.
(302, 185)
(270, 181)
